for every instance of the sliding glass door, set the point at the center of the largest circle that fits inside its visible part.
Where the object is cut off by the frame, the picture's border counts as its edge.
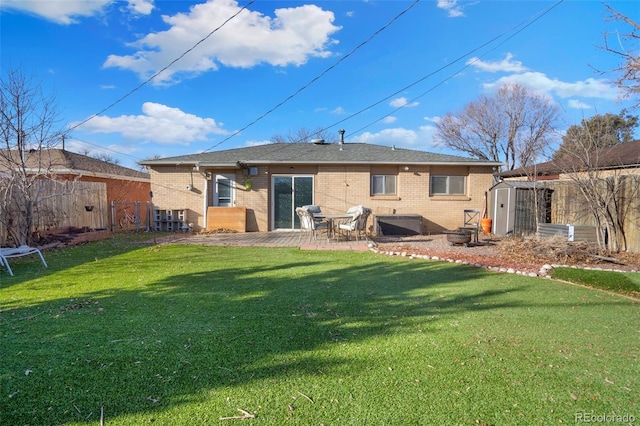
(289, 192)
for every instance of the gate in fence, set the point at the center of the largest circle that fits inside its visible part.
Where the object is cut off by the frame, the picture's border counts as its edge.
(130, 216)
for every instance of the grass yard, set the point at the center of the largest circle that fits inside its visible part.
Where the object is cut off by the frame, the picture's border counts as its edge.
(183, 335)
(625, 283)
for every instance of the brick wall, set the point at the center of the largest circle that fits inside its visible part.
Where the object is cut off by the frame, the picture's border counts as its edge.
(336, 189)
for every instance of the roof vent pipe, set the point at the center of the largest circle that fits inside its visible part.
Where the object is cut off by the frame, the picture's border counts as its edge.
(341, 131)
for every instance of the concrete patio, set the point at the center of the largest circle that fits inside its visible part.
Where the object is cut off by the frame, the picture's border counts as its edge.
(268, 239)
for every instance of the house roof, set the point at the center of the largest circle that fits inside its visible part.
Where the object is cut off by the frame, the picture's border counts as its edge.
(316, 153)
(66, 162)
(624, 155)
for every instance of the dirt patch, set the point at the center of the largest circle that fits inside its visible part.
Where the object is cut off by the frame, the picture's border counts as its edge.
(69, 237)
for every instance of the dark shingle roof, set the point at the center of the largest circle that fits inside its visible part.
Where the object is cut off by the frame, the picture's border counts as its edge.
(624, 155)
(310, 153)
(63, 161)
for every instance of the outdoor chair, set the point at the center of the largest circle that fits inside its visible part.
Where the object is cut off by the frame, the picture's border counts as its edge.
(314, 210)
(471, 222)
(309, 224)
(10, 252)
(357, 224)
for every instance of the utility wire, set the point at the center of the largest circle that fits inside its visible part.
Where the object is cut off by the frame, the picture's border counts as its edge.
(313, 80)
(343, 58)
(120, 154)
(144, 83)
(516, 30)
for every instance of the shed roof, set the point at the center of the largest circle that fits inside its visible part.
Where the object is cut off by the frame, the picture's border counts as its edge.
(317, 153)
(519, 184)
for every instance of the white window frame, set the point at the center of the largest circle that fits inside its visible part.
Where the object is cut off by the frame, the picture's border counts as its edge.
(232, 187)
(448, 185)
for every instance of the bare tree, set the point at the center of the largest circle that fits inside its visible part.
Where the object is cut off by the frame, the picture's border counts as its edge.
(626, 47)
(27, 126)
(515, 126)
(304, 135)
(608, 190)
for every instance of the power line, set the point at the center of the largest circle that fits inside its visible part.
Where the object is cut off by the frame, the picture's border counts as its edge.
(516, 30)
(313, 80)
(101, 147)
(144, 83)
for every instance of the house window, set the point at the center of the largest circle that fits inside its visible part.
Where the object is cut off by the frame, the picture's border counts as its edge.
(448, 185)
(223, 191)
(383, 184)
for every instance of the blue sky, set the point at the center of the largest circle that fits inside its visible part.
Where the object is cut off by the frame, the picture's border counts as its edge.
(231, 74)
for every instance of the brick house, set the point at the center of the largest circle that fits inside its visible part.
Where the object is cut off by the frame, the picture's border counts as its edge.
(257, 188)
(123, 185)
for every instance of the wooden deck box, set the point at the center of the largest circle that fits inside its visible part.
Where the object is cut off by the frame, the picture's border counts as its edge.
(232, 218)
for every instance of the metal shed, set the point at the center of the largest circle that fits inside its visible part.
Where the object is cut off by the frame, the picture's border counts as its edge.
(513, 207)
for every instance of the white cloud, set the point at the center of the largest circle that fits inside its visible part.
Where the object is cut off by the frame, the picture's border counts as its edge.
(454, 10)
(541, 83)
(389, 119)
(69, 11)
(141, 7)
(338, 111)
(505, 65)
(61, 12)
(574, 103)
(257, 143)
(400, 137)
(291, 37)
(402, 102)
(589, 88)
(158, 123)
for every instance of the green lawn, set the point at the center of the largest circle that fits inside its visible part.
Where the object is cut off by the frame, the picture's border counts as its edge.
(182, 335)
(623, 283)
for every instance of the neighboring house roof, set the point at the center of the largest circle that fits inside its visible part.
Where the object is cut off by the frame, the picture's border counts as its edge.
(621, 156)
(61, 161)
(316, 153)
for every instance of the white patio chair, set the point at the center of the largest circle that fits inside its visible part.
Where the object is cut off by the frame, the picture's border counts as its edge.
(358, 224)
(309, 224)
(10, 252)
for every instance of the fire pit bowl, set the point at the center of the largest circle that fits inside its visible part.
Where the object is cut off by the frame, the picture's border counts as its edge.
(458, 237)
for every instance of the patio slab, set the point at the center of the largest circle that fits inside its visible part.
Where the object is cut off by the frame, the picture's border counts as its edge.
(266, 239)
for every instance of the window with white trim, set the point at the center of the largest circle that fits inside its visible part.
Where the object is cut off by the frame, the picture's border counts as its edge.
(448, 185)
(383, 184)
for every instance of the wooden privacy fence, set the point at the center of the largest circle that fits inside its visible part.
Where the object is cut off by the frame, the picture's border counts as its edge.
(570, 207)
(68, 204)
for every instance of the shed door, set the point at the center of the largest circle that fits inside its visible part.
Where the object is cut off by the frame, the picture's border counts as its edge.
(501, 225)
